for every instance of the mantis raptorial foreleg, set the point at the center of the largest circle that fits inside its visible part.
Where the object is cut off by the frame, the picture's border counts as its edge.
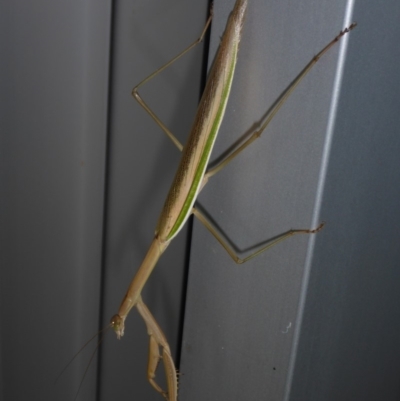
(157, 341)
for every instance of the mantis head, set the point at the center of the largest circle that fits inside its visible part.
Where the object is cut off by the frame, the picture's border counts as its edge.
(117, 323)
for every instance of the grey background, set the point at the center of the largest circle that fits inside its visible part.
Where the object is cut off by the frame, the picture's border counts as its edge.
(54, 69)
(315, 318)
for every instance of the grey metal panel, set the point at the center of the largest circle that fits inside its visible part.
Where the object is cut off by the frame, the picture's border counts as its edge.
(142, 164)
(315, 318)
(349, 346)
(54, 84)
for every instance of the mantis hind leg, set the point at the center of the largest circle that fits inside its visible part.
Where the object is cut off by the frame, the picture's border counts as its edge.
(157, 342)
(210, 227)
(139, 99)
(275, 108)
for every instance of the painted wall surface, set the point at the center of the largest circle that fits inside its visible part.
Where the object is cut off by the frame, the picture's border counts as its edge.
(84, 172)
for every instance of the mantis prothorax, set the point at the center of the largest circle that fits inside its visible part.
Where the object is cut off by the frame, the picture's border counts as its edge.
(191, 177)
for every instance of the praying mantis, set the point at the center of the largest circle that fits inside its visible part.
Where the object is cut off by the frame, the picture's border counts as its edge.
(190, 179)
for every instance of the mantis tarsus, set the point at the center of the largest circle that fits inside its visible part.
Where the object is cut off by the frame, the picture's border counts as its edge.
(191, 177)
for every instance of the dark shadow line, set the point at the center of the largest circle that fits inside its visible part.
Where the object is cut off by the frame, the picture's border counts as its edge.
(106, 195)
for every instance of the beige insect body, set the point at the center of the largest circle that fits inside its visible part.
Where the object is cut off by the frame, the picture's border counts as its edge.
(190, 178)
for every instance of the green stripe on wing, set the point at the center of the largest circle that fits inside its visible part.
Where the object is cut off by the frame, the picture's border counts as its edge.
(187, 206)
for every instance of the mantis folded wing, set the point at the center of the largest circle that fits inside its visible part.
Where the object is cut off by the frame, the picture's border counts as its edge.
(190, 178)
